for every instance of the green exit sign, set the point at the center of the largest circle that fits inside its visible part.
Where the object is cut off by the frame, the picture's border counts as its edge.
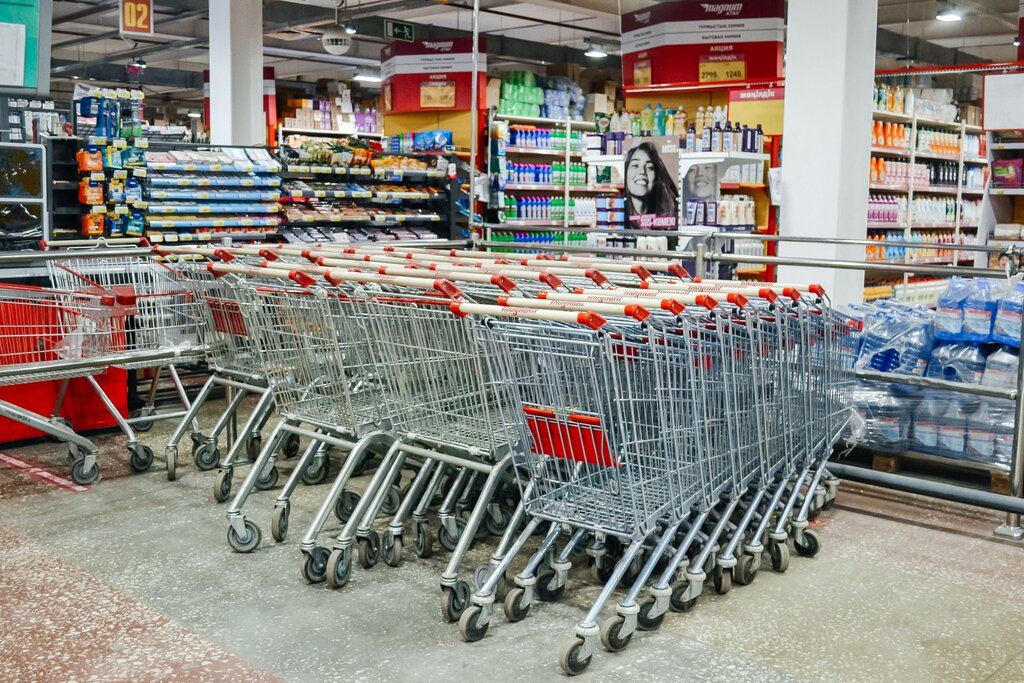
(398, 30)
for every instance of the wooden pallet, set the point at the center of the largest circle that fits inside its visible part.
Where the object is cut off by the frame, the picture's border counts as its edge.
(999, 480)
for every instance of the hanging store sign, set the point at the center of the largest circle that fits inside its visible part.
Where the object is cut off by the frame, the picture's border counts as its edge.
(686, 42)
(763, 105)
(425, 75)
(136, 17)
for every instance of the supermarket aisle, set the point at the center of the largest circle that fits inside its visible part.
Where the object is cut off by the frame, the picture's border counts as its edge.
(135, 576)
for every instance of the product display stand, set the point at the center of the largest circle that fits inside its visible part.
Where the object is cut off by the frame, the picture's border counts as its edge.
(913, 225)
(24, 196)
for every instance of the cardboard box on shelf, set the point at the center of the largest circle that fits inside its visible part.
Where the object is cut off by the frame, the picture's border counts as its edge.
(971, 115)
(573, 71)
(608, 88)
(596, 104)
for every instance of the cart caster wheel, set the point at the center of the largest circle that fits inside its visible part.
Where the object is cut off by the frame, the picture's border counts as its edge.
(143, 425)
(206, 458)
(610, 637)
(345, 505)
(570, 659)
(810, 546)
(253, 447)
(454, 601)
(470, 630)
(82, 477)
(544, 590)
(424, 544)
(279, 523)
(314, 565)
(140, 457)
(723, 580)
(222, 487)
(448, 542)
(497, 527)
(172, 464)
(267, 480)
(513, 606)
(676, 600)
(392, 500)
(644, 620)
(482, 573)
(291, 446)
(779, 553)
(744, 572)
(601, 571)
(316, 474)
(392, 546)
(339, 567)
(247, 543)
(369, 550)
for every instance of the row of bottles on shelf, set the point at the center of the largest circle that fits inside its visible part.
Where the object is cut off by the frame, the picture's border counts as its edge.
(581, 209)
(932, 174)
(888, 134)
(887, 208)
(596, 240)
(543, 138)
(884, 252)
(546, 174)
(727, 138)
(709, 131)
(541, 237)
(734, 211)
(897, 136)
(931, 103)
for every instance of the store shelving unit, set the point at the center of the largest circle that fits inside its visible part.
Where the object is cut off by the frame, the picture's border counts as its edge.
(366, 203)
(188, 201)
(960, 230)
(498, 225)
(1002, 204)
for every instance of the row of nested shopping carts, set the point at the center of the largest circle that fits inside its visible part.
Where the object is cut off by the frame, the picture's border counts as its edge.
(667, 430)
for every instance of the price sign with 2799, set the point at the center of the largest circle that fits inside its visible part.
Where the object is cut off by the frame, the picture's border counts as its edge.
(712, 72)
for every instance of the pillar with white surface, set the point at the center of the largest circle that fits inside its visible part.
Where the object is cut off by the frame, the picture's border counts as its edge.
(236, 72)
(830, 65)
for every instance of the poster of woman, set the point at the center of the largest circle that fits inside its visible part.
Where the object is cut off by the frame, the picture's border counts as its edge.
(652, 183)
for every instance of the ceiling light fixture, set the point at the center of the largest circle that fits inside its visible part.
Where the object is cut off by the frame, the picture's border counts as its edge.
(595, 51)
(194, 115)
(350, 28)
(947, 13)
(138, 63)
(366, 77)
(1016, 41)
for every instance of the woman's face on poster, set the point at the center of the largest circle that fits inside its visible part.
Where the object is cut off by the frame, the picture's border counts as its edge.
(640, 174)
(700, 181)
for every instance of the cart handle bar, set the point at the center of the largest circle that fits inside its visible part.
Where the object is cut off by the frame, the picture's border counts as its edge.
(675, 303)
(503, 280)
(635, 311)
(592, 320)
(506, 285)
(689, 296)
(336, 277)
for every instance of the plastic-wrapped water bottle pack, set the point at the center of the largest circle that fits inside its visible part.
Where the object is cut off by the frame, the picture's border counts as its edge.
(973, 337)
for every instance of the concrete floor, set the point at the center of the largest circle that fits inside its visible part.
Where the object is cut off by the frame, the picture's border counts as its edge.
(133, 580)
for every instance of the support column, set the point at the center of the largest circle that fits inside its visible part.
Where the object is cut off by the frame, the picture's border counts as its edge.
(236, 72)
(1020, 32)
(830, 65)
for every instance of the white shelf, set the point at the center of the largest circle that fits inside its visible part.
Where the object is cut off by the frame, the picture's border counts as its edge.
(1006, 190)
(329, 133)
(541, 151)
(710, 157)
(604, 159)
(536, 120)
(1007, 145)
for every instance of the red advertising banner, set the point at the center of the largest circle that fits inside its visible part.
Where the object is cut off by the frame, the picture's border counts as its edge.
(136, 17)
(431, 75)
(688, 42)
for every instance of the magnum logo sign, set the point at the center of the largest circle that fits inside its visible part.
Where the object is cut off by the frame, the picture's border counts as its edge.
(424, 75)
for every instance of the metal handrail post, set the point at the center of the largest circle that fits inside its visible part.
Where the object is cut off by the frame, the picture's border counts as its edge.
(1012, 528)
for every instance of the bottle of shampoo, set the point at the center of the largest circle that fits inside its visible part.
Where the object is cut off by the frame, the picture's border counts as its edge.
(658, 127)
(646, 120)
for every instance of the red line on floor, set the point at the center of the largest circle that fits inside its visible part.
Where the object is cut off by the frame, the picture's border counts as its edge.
(42, 474)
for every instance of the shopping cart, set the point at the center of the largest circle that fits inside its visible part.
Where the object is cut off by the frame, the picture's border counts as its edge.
(164, 316)
(50, 334)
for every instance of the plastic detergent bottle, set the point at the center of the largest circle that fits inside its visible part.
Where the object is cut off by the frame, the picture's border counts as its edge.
(647, 120)
(1001, 369)
(1008, 316)
(925, 435)
(949, 312)
(981, 434)
(980, 311)
(658, 125)
(952, 433)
